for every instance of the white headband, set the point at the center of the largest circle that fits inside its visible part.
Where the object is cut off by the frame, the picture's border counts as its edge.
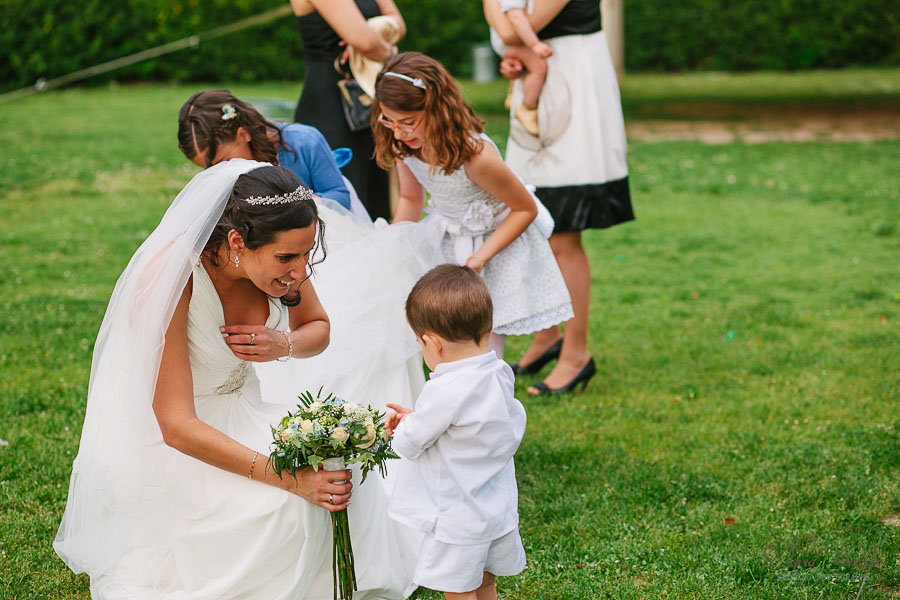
(415, 81)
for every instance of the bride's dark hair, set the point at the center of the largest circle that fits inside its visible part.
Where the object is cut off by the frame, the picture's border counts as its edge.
(258, 224)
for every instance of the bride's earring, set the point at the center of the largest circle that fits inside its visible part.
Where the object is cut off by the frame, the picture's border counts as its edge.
(237, 261)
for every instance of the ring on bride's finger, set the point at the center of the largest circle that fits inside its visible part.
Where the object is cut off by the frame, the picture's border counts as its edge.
(330, 498)
(252, 338)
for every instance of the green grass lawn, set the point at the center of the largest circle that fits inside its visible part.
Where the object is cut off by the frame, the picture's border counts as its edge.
(740, 440)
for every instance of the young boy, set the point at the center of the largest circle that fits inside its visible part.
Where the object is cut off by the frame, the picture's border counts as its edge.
(458, 482)
(531, 54)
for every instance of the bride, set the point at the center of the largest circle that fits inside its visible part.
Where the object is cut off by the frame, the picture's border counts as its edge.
(171, 495)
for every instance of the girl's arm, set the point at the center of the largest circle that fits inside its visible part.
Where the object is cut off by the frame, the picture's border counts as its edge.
(348, 22)
(412, 196)
(310, 332)
(173, 405)
(489, 171)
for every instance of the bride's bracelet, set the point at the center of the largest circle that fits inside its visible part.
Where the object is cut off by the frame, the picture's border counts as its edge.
(252, 464)
(290, 353)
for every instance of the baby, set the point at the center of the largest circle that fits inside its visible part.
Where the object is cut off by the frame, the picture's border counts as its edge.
(531, 54)
(458, 482)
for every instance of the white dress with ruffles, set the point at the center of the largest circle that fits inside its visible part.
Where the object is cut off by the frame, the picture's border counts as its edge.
(526, 286)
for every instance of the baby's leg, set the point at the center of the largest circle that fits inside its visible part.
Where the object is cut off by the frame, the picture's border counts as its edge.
(536, 73)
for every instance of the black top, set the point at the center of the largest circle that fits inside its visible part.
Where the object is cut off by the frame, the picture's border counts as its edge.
(320, 41)
(576, 18)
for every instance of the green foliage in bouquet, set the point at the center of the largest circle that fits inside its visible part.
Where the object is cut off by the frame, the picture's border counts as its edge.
(330, 427)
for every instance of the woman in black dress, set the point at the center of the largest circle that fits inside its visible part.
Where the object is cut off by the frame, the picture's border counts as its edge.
(328, 27)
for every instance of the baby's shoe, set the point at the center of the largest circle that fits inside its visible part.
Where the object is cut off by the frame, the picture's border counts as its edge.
(528, 117)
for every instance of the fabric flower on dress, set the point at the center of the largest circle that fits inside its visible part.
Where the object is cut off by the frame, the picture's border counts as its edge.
(479, 217)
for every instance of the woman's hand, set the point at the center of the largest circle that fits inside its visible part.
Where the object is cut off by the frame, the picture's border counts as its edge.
(255, 343)
(320, 487)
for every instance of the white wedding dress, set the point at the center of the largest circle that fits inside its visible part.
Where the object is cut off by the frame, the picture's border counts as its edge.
(148, 522)
(210, 534)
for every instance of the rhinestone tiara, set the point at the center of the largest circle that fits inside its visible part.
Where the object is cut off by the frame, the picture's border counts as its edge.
(301, 193)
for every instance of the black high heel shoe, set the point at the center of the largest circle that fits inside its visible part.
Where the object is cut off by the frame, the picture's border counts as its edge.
(583, 376)
(551, 353)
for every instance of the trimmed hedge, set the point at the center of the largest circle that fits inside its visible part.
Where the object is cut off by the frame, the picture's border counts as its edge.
(54, 37)
(786, 34)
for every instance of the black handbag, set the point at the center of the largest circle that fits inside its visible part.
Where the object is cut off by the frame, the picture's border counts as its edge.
(356, 103)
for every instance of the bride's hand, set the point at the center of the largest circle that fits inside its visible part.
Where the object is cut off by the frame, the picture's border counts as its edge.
(255, 343)
(319, 487)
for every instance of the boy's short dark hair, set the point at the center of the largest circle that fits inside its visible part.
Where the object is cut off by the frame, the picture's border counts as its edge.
(452, 302)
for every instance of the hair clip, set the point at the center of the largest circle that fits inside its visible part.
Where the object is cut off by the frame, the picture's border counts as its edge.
(301, 193)
(228, 112)
(413, 80)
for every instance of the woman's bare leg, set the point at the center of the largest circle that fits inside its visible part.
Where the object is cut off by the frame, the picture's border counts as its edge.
(576, 272)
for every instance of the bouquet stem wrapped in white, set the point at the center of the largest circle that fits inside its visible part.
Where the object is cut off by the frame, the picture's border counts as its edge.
(332, 433)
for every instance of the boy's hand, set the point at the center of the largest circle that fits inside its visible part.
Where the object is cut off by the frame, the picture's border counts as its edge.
(541, 49)
(392, 420)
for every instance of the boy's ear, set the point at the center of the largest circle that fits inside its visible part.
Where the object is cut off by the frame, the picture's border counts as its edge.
(433, 342)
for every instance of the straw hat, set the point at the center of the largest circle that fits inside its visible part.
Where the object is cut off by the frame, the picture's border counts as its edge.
(365, 70)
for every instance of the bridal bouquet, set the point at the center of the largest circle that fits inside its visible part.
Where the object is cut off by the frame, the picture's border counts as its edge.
(332, 433)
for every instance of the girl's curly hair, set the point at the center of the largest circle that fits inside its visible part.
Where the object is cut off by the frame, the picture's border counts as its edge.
(451, 127)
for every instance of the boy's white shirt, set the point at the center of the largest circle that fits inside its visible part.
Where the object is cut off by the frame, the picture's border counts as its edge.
(457, 479)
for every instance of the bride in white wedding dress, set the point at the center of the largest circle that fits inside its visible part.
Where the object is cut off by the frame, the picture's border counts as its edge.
(171, 495)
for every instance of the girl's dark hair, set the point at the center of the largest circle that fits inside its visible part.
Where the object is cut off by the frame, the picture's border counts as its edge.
(451, 127)
(258, 224)
(201, 127)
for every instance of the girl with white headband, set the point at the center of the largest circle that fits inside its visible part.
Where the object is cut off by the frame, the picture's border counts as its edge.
(487, 219)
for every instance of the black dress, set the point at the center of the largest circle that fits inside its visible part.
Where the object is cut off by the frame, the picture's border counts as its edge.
(320, 106)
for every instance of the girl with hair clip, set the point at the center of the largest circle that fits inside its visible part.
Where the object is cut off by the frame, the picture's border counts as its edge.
(484, 214)
(214, 126)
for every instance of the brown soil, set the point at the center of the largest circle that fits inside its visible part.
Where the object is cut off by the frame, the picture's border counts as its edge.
(724, 123)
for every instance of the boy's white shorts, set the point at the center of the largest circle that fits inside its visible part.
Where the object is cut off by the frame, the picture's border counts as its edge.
(454, 568)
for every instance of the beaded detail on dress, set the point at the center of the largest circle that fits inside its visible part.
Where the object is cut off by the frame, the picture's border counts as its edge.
(235, 380)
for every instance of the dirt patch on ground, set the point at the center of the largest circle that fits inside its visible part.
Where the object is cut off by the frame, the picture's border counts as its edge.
(725, 123)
